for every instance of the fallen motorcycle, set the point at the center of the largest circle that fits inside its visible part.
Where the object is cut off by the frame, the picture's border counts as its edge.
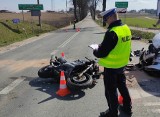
(79, 74)
(149, 60)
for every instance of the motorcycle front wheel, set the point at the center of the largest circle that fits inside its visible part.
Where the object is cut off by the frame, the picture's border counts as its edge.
(75, 82)
(48, 72)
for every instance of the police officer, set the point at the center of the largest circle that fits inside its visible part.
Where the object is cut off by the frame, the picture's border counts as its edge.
(114, 53)
(74, 24)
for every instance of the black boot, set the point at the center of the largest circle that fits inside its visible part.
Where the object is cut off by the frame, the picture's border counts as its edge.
(105, 114)
(128, 111)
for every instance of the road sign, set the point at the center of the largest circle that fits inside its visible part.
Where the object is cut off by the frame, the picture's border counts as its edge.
(16, 21)
(30, 6)
(35, 13)
(121, 4)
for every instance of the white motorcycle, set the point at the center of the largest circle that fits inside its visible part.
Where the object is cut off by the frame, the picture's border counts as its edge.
(149, 60)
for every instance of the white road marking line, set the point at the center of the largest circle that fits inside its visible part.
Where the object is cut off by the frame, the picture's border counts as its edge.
(155, 110)
(11, 86)
(68, 40)
(152, 104)
(148, 94)
(134, 94)
(54, 52)
(139, 93)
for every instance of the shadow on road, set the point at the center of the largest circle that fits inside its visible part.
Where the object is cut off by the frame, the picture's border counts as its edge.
(77, 29)
(100, 33)
(50, 87)
(148, 83)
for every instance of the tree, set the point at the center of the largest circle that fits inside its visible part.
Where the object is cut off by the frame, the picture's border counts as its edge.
(93, 8)
(81, 7)
(75, 9)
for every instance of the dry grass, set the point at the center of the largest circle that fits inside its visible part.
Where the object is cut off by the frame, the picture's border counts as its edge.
(27, 16)
(55, 19)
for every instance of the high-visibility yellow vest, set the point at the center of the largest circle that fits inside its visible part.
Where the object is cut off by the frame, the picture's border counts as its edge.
(119, 56)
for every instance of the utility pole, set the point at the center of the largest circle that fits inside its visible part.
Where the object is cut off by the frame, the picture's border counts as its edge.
(39, 16)
(158, 7)
(66, 6)
(51, 5)
(104, 8)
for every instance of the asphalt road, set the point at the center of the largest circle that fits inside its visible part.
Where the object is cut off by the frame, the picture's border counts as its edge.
(24, 94)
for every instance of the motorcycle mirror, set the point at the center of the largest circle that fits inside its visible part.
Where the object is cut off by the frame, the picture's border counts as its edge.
(87, 58)
(149, 41)
(56, 57)
(131, 54)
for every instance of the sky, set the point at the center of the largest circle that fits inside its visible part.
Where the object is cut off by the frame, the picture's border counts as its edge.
(57, 5)
(133, 4)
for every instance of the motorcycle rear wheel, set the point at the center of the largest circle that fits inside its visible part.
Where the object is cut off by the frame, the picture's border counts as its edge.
(48, 72)
(75, 83)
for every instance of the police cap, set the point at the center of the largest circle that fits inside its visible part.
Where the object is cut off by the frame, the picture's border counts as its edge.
(108, 13)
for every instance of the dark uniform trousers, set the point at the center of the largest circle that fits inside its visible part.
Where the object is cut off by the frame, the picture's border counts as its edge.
(113, 79)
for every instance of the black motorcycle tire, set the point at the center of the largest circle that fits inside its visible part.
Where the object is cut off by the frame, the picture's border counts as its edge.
(48, 72)
(75, 85)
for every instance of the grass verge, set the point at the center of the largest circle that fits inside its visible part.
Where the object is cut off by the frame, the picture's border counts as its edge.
(136, 33)
(10, 32)
(142, 22)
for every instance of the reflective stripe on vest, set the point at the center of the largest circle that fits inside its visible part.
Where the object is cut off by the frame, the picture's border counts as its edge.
(119, 56)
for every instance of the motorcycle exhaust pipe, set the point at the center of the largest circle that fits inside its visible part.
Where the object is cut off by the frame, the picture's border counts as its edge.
(85, 70)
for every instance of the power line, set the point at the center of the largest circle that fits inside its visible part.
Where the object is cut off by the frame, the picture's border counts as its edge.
(66, 5)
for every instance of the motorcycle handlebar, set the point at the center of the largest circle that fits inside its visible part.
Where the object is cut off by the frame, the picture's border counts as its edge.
(88, 59)
(56, 57)
(91, 60)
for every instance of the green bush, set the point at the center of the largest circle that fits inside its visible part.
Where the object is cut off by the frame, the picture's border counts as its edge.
(143, 35)
(141, 22)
